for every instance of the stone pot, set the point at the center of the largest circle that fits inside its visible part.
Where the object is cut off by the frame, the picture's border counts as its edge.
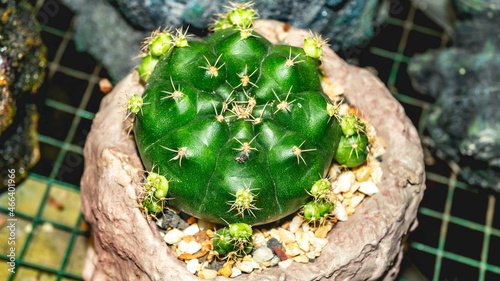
(369, 246)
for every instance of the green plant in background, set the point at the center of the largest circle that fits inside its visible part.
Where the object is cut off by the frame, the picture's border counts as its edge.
(240, 126)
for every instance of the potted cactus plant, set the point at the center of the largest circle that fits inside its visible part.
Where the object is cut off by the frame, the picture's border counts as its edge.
(235, 130)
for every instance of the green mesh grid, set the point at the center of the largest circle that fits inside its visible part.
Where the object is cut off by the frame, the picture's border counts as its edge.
(449, 244)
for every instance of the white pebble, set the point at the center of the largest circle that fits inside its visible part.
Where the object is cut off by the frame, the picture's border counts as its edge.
(275, 260)
(319, 243)
(311, 255)
(263, 254)
(193, 247)
(255, 264)
(192, 266)
(286, 236)
(285, 264)
(236, 272)
(259, 240)
(368, 188)
(192, 229)
(173, 236)
(245, 266)
(344, 182)
(183, 246)
(356, 199)
(292, 249)
(376, 175)
(302, 240)
(305, 227)
(295, 224)
(340, 212)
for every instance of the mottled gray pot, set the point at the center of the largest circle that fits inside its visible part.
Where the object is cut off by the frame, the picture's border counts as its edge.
(368, 246)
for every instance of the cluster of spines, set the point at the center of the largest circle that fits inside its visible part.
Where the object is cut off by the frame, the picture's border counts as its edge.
(234, 241)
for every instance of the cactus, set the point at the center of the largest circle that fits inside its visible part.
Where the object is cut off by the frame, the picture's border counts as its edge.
(240, 126)
(234, 241)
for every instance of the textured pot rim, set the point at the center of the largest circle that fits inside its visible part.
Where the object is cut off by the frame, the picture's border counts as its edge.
(375, 230)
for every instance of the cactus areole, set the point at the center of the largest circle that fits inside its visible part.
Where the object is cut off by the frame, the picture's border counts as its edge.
(238, 126)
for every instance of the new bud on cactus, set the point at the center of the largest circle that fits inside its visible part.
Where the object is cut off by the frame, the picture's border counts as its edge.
(314, 211)
(161, 44)
(135, 103)
(146, 67)
(158, 184)
(352, 150)
(320, 187)
(349, 124)
(313, 47)
(236, 239)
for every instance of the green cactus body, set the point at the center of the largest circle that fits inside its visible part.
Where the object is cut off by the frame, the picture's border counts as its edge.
(239, 126)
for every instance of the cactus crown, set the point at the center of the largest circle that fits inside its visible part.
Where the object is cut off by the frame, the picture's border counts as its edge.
(234, 109)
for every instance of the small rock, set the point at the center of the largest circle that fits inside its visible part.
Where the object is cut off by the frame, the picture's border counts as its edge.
(310, 255)
(201, 236)
(319, 243)
(356, 200)
(368, 188)
(193, 247)
(259, 240)
(191, 230)
(227, 269)
(207, 273)
(192, 256)
(236, 272)
(286, 236)
(302, 240)
(210, 233)
(292, 249)
(169, 218)
(275, 233)
(262, 254)
(301, 259)
(362, 173)
(192, 266)
(207, 245)
(285, 264)
(286, 224)
(255, 264)
(322, 231)
(275, 260)
(279, 253)
(305, 227)
(173, 236)
(376, 175)
(183, 246)
(188, 238)
(245, 266)
(340, 212)
(191, 220)
(215, 265)
(273, 242)
(350, 210)
(105, 86)
(344, 182)
(295, 224)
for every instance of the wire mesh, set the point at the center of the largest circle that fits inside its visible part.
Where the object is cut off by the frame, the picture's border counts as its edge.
(459, 228)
